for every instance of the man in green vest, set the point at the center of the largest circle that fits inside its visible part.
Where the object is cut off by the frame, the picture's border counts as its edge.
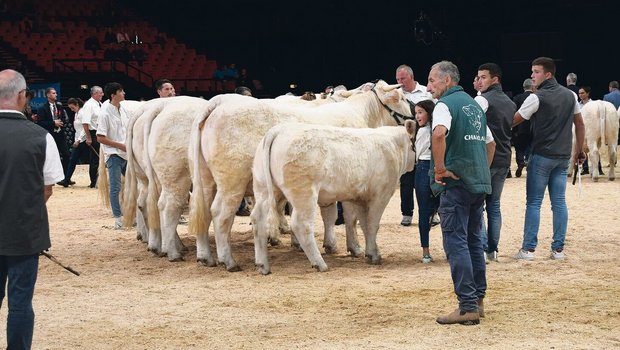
(462, 149)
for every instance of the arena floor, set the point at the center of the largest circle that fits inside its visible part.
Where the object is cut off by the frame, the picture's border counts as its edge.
(126, 298)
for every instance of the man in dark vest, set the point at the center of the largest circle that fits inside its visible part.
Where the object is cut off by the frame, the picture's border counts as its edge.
(499, 110)
(552, 111)
(30, 167)
(462, 149)
(521, 134)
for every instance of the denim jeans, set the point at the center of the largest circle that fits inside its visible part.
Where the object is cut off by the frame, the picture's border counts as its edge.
(427, 203)
(21, 274)
(461, 219)
(76, 154)
(491, 233)
(543, 173)
(116, 166)
(407, 182)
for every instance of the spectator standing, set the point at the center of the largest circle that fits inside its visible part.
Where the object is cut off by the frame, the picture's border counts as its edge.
(30, 167)
(427, 202)
(553, 111)
(90, 115)
(499, 110)
(52, 117)
(462, 149)
(79, 147)
(614, 97)
(414, 92)
(165, 88)
(571, 82)
(111, 133)
(521, 134)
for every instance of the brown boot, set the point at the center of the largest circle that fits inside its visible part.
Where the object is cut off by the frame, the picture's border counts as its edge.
(481, 307)
(460, 317)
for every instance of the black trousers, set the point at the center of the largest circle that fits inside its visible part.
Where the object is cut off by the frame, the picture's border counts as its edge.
(63, 149)
(93, 160)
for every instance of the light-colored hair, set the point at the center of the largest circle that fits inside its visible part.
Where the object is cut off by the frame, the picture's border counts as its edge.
(11, 84)
(94, 89)
(447, 68)
(406, 68)
(571, 78)
(528, 84)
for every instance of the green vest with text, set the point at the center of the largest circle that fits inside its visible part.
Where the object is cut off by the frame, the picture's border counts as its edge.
(466, 152)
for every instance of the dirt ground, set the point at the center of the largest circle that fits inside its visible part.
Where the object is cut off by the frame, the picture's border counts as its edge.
(126, 298)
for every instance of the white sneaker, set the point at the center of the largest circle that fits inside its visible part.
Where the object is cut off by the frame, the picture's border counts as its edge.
(525, 255)
(557, 255)
(118, 223)
(406, 220)
(493, 257)
(427, 259)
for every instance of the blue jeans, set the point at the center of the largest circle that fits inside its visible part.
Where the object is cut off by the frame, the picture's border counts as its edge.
(461, 219)
(491, 233)
(407, 182)
(21, 274)
(76, 153)
(426, 201)
(543, 173)
(116, 166)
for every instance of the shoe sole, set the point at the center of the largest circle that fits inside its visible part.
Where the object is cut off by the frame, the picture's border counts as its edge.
(464, 323)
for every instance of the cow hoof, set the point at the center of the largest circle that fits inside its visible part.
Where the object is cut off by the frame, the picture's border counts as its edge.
(356, 252)
(374, 260)
(612, 178)
(177, 259)
(234, 268)
(207, 262)
(263, 270)
(321, 267)
(330, 249)
(595, 179)
(274, 241)
(297, 247)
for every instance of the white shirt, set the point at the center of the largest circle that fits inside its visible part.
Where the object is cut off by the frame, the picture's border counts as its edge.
(531, 104)
(90, 115)
(423, 142)
(418, 94)
(483, 102)
(52, 168)
(442, 116)
(80, 135)
(113, 125)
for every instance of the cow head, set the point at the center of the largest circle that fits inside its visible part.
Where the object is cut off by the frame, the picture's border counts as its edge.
(393, 99)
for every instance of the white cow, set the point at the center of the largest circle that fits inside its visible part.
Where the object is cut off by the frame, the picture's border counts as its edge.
(601, 128)
(223, 146)
(310, 164)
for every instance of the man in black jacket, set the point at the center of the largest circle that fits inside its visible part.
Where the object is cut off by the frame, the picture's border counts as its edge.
(52, 117)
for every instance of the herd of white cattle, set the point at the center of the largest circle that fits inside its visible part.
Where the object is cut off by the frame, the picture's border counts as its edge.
(347, 147)
(211, 154)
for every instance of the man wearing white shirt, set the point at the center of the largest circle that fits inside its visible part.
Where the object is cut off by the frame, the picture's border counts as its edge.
(414, 92)
(552, 111)
(30, 167)
(90, 115)
(111, 134)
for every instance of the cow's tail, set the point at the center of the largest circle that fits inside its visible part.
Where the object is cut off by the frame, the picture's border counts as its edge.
(153, 186)
(130, 197)
(271, 218)
(602, 119)
(102, 180)
(198, 166)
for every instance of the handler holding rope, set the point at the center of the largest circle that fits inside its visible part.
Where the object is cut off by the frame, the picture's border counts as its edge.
(30, 167)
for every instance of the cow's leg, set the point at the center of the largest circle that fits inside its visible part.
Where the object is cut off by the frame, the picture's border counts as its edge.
(223, 209)
(302, 222)
(264, 220)
(349, 211)
(170, 208)
(594, 157)
(374, 211)
(143, 230)
(329, 215)
(611, 150)
(203, 250)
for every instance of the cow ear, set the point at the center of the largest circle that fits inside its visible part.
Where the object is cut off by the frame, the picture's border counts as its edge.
(346, 93)
(411, 127)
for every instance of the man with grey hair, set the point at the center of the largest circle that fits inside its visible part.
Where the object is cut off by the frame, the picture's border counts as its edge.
(414, 92)
(521, 134)
(30, 167)
(462, 149)
(571, 83)
(90, 116)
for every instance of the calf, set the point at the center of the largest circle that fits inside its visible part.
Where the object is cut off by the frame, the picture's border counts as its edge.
(310, 164)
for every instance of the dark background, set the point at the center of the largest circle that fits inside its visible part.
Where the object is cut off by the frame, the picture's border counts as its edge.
(315, 44)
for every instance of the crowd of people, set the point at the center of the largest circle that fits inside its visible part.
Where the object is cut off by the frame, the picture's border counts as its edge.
(463, 155)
